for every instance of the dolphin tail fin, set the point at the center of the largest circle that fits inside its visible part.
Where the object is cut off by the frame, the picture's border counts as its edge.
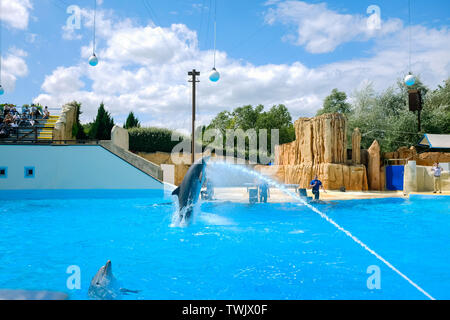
(176, 192)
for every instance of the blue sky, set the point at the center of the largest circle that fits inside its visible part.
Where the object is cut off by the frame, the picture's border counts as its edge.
(269, 52)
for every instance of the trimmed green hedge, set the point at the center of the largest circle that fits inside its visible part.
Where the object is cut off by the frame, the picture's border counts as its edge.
(159, 140)
(151, 140)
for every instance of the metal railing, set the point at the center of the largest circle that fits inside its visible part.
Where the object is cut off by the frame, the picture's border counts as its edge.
(10, 141)
(30, 135)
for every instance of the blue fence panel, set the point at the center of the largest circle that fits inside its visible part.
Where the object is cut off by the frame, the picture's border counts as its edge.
(394, 177)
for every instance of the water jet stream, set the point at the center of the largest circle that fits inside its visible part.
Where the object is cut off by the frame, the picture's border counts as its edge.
(271, 182)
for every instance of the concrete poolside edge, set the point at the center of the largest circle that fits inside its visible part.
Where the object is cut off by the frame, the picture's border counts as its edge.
(240, 194)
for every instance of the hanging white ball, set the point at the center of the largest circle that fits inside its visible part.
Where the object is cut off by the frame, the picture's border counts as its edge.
(214, 76)
(410, 80)
(93, 60)
(2, 91)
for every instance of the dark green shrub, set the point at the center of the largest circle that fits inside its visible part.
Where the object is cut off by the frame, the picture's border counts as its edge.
(151, 140)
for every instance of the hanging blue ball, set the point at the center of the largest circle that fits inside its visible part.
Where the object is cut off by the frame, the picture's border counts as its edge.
(93, 60)
(410, 80)
(214, 76)
(2, 91)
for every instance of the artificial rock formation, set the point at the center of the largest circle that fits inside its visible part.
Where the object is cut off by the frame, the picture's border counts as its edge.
(320, 149)
(64, 125)
(373, 171)
(321, 139)
(356, 146)
(333, 175)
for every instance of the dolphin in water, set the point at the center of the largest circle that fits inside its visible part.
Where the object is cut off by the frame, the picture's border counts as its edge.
(189, 190)
(104, 285)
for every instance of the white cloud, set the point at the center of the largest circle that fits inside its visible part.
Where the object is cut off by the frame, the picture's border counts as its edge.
(105, 21)
(13, 67)
(321, 30)
(16, 13)
(144, 69)
(63, 80)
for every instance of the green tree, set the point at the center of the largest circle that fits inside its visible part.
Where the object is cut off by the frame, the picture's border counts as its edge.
(335, 102)
(132, 121)
(222, 121)
(102, 126)
(278, 117)
(246, 117)
(386, 116)
(77, 129)
(249, 117)
(436, 112)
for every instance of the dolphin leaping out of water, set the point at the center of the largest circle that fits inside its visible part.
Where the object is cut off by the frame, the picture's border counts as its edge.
(189, 190)
(104, 286)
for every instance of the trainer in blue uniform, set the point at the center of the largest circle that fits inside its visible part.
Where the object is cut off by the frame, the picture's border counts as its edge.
(264, 192)
(315, 185)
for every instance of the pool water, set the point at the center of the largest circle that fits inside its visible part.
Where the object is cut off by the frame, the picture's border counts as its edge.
(230, 251)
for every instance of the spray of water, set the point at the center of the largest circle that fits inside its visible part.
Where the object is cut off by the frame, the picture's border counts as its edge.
(179, 218)
(259, 177)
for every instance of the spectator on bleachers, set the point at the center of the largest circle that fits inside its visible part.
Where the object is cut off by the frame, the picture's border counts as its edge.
(24, 120)
(25, 110)
(4, 131)
(33, 112)
(8, 119)
(13, 110)
(11, 120)
(5, 111)
(46, 113)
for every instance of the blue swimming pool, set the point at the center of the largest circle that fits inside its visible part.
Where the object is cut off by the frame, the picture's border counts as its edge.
(231, 251)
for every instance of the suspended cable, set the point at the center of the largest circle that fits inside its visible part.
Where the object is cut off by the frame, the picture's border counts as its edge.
(93, 60)
(214, 76)
(159, 28)
(410, 37)
(215, 32)
(200, 29)
(207, 42)
(2, 91)
(410, 80)
(116, 43)
(95, 22)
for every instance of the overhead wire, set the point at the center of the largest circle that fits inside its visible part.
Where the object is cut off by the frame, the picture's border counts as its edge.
(1, 51)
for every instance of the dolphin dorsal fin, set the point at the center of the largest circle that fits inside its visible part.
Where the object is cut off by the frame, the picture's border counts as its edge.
(176, 191)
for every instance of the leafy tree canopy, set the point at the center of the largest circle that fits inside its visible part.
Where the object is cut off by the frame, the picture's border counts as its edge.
(386, 116)
(335, 102)
(249, 117)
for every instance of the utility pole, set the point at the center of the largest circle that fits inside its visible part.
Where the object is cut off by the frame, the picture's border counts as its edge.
(194, 74)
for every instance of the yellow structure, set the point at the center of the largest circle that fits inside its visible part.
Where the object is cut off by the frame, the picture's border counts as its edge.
(46, 133)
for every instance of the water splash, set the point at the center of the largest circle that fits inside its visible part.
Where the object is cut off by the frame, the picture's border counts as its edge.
(179, 216)
(273, 183)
